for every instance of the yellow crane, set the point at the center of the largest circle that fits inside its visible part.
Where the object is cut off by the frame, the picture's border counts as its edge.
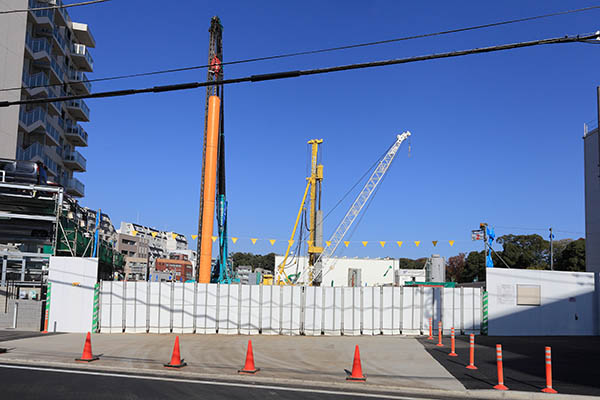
(315, 246)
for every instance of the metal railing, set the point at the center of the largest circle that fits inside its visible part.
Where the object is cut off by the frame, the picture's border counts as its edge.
(36, 80)
(79, 76)
(77, 130)
(79, 103)
(75, 156)
(75, 184)
(37, 149)
(37, 45)
(41, 13)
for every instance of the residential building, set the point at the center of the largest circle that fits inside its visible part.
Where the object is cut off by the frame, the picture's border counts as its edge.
(243, 272)
(160, 243)
(135, 251)
(178, 265)
(592, 198)
(44, 54)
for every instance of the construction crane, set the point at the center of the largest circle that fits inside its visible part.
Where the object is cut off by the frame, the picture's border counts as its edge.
(362, 198)
(212, 189)
(315, 242)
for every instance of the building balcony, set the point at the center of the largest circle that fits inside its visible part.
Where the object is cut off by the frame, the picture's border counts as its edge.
(36, 121)
(75, 161)
(83, 34)
(61, 16)
(75, 187)
(39, 48)
(36, 152)
(81, 57)
(55, 106)
(79, 110)
(41, 17)
(36, 85)
(79, 81)
(76, 135)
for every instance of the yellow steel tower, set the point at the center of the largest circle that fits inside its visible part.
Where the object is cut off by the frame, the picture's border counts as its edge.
(315, 243)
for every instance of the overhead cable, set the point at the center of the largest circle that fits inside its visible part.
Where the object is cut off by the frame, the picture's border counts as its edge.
(325, 50)
(85, 3)
(298, 73)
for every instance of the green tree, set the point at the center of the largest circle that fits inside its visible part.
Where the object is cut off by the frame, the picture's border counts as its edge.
(572, 258)
(525, 251)
(474, 268)
(408, 263)
(266, 261)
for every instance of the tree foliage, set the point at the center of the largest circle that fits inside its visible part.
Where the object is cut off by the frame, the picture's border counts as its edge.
(266, 261)
(455, 267)
(572, 258)
(525, 251)
(408, 263)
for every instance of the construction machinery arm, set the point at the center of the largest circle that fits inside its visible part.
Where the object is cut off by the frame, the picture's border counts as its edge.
(355, 209)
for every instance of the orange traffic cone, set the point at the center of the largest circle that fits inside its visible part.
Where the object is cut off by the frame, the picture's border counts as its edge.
(249, 367)
(87, 355)
(356, 374)
(176, 361)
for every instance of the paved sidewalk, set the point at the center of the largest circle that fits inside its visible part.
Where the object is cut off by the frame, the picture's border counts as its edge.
(388, 361)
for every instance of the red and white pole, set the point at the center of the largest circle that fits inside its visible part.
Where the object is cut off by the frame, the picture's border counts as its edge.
(500, 385)
(430, 329)
(548, 388)
(452, 344)
(439, 343)
(471, 352)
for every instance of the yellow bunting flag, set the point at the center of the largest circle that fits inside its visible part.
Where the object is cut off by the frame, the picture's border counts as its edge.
(451, 242)
(417, 243)
(365, 243)
(435, 242)
(193, 236)
(156, 233)
(214, 238)
(272, 241)
(328, 243)
(175, 236)
(290, 242)
(253, 240)
(399, 243)
(382, 243)
(133, 233)
(346, 243)
(234, 239)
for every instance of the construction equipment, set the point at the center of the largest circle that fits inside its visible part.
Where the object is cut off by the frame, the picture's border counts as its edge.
(212, 191)
(362, 198)
(315, 243)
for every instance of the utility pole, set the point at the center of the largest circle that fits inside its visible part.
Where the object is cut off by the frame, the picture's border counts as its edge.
(551, 251)
(483, 227)
(598, 126)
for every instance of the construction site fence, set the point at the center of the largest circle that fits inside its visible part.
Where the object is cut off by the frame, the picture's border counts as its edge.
(174, 307)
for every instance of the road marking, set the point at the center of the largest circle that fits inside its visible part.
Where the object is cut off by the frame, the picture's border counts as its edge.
(215, 383)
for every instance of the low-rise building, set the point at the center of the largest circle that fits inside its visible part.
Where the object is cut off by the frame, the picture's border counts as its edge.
(178, 265)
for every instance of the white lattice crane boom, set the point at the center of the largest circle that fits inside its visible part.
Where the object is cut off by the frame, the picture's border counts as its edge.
(357, 206)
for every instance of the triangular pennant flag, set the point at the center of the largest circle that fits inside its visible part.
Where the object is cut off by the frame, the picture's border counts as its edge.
(234, 239)
(328, 243)
(435, 242)
(214, 238)
(346, 243)
(451, 242)
(175, 236)
(399, 243)
(156, 233)
(253, 240)
(382, 243)
(194, 237)
(272, 241)
(417, 243)
(365, 243)
(133, 233)
(290, 242)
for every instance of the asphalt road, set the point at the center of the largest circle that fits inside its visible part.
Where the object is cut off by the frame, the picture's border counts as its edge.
(574, 362)
(23, 383)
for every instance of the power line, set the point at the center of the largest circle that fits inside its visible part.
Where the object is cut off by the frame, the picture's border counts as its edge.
(85, 3)
(309, 52)
(298, 73)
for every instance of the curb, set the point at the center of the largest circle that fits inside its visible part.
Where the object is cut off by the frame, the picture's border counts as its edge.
(300, 383)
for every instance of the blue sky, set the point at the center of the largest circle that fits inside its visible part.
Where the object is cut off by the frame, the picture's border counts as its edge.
(496, 137)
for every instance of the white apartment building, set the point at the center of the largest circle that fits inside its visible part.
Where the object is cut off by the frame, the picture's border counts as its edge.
(160, 243)
(359, 271)
(43, 54)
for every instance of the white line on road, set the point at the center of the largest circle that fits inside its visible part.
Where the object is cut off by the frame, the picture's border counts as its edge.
(244, 385)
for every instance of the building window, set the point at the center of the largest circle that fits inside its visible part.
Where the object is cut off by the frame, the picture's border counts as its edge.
(529, 295)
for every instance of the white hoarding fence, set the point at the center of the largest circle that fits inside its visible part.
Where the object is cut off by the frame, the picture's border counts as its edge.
(165, 307)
